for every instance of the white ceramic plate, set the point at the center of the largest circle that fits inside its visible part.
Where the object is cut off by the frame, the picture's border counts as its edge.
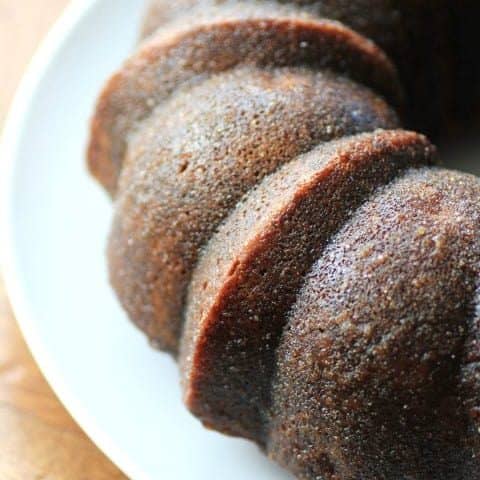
(54, 225)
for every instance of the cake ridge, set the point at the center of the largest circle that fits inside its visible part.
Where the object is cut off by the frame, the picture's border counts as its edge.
(214, 319)
(408, 355)
(178, 186)
(131, 94)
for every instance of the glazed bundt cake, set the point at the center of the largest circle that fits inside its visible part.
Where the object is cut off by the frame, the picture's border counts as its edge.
(314, 272)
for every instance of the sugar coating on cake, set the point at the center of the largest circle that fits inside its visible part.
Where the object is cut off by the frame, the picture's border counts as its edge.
(416, 35)
(377, 370)
(316, 276)
(179, 57)
(177, 187)
(252, 269)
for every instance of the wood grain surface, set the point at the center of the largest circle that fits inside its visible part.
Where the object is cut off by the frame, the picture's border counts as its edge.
(38, 438)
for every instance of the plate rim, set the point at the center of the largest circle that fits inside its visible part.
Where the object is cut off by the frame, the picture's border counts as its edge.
(10, 142)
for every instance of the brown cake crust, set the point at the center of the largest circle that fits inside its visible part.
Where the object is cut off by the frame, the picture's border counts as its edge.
(372, 368)
(420, 36)
(328, 275)
(176, 188)
(253, 267)
(180, 57)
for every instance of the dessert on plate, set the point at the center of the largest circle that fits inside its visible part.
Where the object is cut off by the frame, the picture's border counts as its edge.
(282, 231)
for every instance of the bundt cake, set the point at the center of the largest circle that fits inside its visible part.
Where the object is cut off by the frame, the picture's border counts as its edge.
(314, 272)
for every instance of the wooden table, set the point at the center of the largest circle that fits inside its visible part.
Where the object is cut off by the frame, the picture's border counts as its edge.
(38, 438)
